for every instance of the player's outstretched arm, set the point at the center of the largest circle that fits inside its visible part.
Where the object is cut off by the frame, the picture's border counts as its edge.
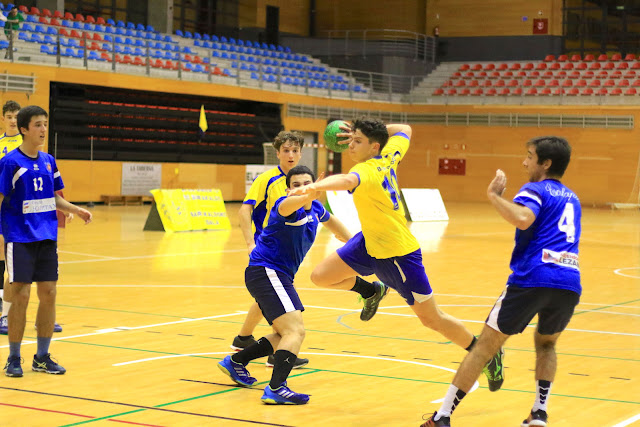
(339, 182)
(338, 229)
(64, 206)
(520, 216)
(292, 204)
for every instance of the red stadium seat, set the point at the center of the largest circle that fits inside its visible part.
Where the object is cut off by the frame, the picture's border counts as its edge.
(481, 75)
(594, 83)
(561, 74)
(35, 11)
(615, 91)
(573, 91)
(521, 74)
(576, 58)
(464, 92)
(568, 66)
(609, 66)
(23, 9)
(486, 83)
(450, 92)
(581, 83)
(127, 59)
(477, 92)
(474, 83)
(603, 74)
(574, 75)
(631, 91)
(490, 92)
(494, 75)
(517, 91)
(90, 19)
(469, 75)
(622, 66)
(635, 66)
(139, 61)
(629, 57)
(623, 83)
(437, 92)
(589, 58)
(636, 83)
(500, 83)
(100, 20)
(528, 66)
(540, 83)
(582, 66)
(603, 57)
(515, 66)
(548, 74)
(587, 91)
(541, 66)
(456, 75)
(94, 46)
(79, 17)
(507, 74)
(534, 74)
(46, 13)
(558, 92)
(553, 83)
(503, 67)
(105, 56)
(55, 22)
(476, 67)
(531, 91)
(616, 57)
(602, 91)
(69, 16)
(609, 82)
(75, 34)
(460, 83)
(505, 91)
(555, 66)
(158, 64)
(489, 67)
(527, 83)
(63, 32)
(513, 83)
(588, 75)
(616, 74)
(464, 67)
(595, 66)
(631, 74)
(545, 91)
(58, 14)
(549, 58)
(43, 20)
(563, 58)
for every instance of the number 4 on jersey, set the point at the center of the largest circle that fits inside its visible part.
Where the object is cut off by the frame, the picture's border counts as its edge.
(566, 224)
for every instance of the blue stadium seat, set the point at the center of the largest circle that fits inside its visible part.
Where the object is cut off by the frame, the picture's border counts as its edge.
(223, 39)
(139, 43)
(240, 49)
(67, 52)
(287, 81)
(118, 48)
(254, 76)
(27, 27)
(130, 33)
(179, 33)
(215, 54)
(35, 38)
(89, 27)
(149, 35)
(48, 40)
(167, 39)
(77, 25)
(244, 67)
(139, 52)
(131, 26)
(249, 51)
(280, 49)
(215, 46)
(272, 47)
(197, 43)
(119, 40)
(256, 45)
(206, 60)
(120, 24)
(107, 47)
(285, 72)
(188, 34)
(156, 54)
(168, 55)
(45, 49)
(228, 73)
(93, 55)
(240, 42)
(110, 30)
(188, 66)
(206, 45)
(187, 49)
(67, 23)
(233, 56)
(234, 65)
(232, 48)
(111, 22)
(52, 30)
(151, 29)
(199, 69)
(100, 28)
(127, 50)
(224, 55)
(232, 40)
(140, 27)
(128, 41)
(206, 37)
(23, 36)
(224, 47)
(197, 36)
(215, 38)
(120, 31)
(253, 67)
(287, 49)
(31, 18)
(108, 38)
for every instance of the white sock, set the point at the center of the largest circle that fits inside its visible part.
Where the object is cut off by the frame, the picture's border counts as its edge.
(453, 397)
(543, 391)
(5, 308)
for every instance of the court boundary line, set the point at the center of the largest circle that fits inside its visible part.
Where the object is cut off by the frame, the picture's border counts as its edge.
(628, 421)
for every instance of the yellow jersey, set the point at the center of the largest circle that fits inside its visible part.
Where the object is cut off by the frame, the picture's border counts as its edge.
(268, 187)
(8, 143)
(377, 199)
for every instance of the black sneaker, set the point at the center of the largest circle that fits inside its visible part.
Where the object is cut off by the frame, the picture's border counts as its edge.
(299, 362)
(442, 422)
(13, 368)
(537, 419)
(240, 343)
(494, 370)
(371, 304)
(46, 364)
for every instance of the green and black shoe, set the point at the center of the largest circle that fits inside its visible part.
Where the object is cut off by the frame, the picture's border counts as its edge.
(494, 370)
(371, 304)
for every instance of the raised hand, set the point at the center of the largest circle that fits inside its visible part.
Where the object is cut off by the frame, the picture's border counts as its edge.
(498, 184)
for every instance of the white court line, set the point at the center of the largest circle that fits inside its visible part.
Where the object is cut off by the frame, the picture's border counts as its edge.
(83, 254)
(618, 272)
(155, 256)
(411, 362)
(628, 422)
(130, 328)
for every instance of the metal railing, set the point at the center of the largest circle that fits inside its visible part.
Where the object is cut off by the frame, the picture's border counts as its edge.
(381, 42)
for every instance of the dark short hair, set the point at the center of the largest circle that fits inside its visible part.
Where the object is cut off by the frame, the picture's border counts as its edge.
(552, 148)
(25, 115)
(10, 107)
(299, 170)
(285, 136)
(373, 129)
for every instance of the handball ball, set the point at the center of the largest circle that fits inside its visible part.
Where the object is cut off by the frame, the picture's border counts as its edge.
(330, 138)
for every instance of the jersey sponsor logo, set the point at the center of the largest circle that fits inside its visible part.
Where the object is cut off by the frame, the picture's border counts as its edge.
(564, 258)
(39, 205)
(561, 192)
(49, 167)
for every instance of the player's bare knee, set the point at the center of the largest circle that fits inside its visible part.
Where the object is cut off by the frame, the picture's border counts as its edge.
(543, 344)
(319, 278)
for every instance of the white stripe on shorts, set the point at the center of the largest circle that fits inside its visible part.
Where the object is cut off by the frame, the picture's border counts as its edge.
(9, 256)
(404, 278)
(282, 294)
(492, 321)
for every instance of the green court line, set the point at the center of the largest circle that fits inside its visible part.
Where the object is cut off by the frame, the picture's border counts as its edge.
(447, 383)
(123, 311)
(311, 371)
(606, 306)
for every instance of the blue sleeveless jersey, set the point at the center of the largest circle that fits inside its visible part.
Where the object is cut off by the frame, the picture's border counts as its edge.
(284, 242)
(546, 254)
(29, 204)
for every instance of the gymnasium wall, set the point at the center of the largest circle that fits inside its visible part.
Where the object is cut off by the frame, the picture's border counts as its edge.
(604, 166)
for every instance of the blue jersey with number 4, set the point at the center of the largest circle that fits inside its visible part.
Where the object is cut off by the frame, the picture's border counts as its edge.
(29, 205)
(546, 254)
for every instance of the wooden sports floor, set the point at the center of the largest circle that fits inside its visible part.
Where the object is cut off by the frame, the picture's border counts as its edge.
(147, 316)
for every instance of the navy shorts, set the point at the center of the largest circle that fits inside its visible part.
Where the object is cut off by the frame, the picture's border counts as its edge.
(32, 262)
(517, 306)
(273, 291)
(405, 273)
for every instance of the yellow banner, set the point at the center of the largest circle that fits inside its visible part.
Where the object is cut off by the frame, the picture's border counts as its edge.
(189, 210)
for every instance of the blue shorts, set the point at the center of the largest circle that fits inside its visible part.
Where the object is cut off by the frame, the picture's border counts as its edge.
(32, 262)
(404, 273)
(273, 291)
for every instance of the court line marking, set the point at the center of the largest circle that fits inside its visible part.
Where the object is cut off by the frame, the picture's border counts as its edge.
(227, 251)
(628, 421)
(131, 328)
(618, 272)
(85, 254)
(411, 362)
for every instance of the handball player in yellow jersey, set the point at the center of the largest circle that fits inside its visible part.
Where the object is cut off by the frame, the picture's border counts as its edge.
(385, 247)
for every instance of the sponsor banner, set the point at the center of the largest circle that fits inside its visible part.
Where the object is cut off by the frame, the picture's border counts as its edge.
(138, 179)
(190, 210)
(252, 172)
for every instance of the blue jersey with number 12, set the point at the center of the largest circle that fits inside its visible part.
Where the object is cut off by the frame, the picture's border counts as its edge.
(29, 205)
(546, 254)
